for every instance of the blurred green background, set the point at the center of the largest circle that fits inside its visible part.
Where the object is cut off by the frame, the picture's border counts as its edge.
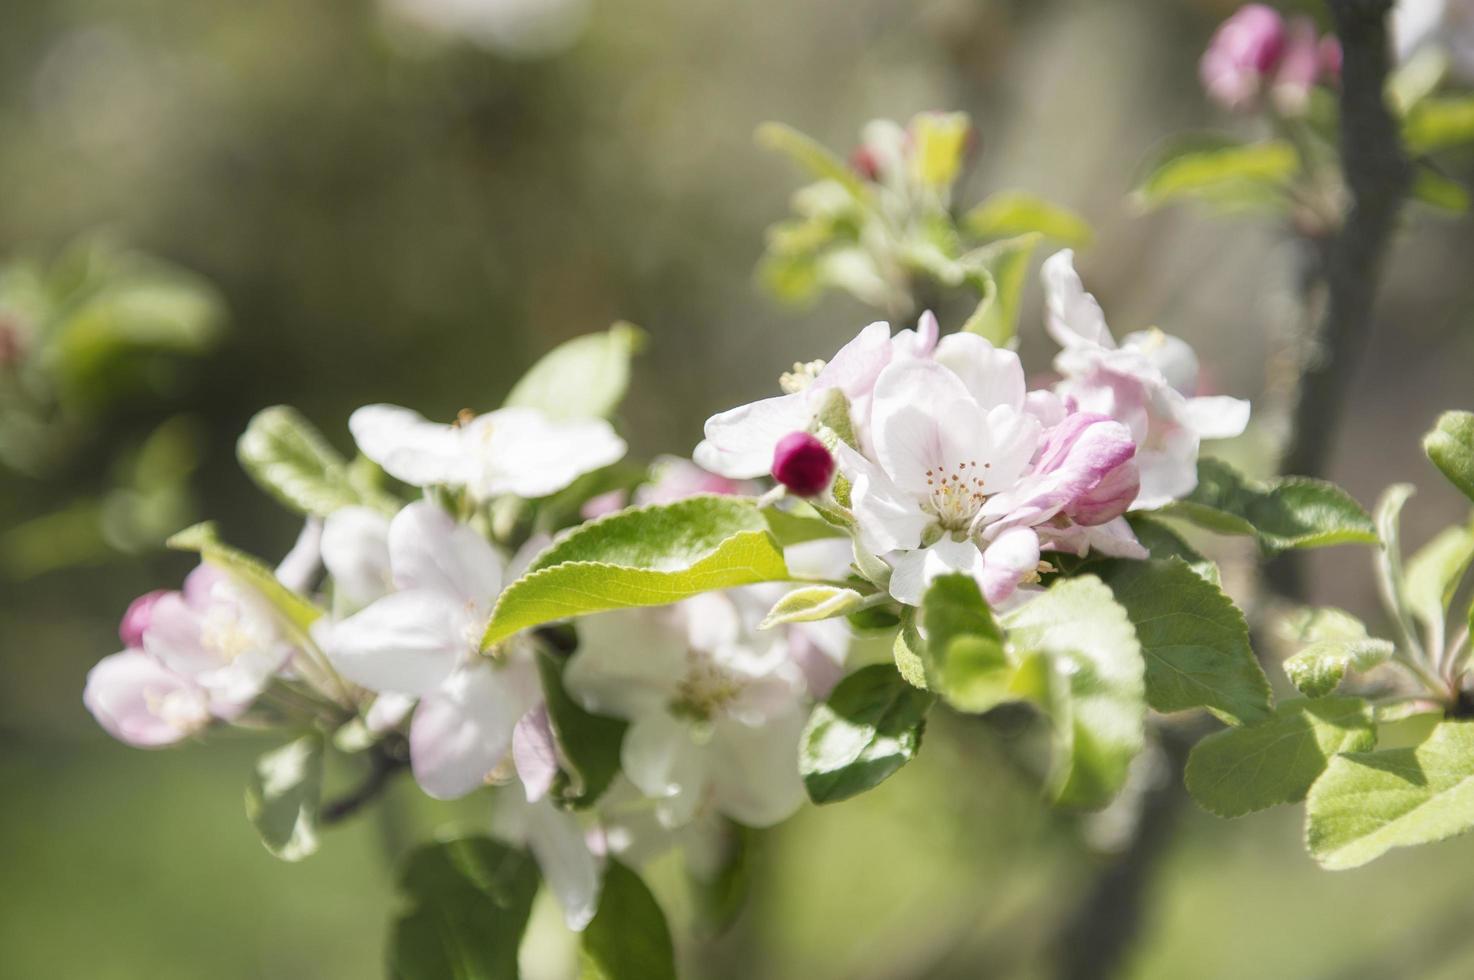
(394, 213)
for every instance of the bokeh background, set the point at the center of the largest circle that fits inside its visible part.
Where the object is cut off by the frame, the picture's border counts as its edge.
(395, 211)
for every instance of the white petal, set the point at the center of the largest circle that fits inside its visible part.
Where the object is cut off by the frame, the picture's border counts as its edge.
(854, 368)
(822, 558)
(523, 452)
(890, 519)
(739, 442)
(429, 550)
(569, 868)
(1216, 416)
(1073, 317)
(1115, 539)
(993, 376)
(915, 570)
(355, 549)
(1011, 557)
(1171, 356)
(408, 642)
(659, 757)
(460, 732)
(754, 770)
(628, 663)
(298, 568)
(387, 711)
(409, 447)
(140, 702)
(1014, 436)
(925, 421)
(535, 753)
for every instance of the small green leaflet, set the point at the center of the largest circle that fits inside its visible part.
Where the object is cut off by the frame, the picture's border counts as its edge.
(996, 320)
(1008, 214)
(1193, 637)
(810, 603)
(1099, 694)
(963, 653)
(1367, 803)
(811, 155)
(1434, 573)
(644, 556)
(584, 378)
(869, 727)
(1337, 642)
(291, 460)
(1451, 448)
(1228, 176)
(628, 938)
(1274, 761)
(1289, 512)
(283, 796)
(469, 899)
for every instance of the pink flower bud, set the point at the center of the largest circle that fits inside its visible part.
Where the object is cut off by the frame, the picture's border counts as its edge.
(1299, 68)
(1093, 459)
(136, 619)
(802, 464)
(864, 163)
(1244, 51)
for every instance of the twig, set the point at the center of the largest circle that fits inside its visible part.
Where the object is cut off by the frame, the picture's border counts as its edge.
(386, 757)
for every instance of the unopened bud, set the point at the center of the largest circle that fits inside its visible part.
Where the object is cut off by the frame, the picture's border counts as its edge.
(802, 464)
(136, 620)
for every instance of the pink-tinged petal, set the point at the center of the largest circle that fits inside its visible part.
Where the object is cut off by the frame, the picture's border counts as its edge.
(1243, 51)
(1072, 316)
(739, 443)
(993, 376)
(1170, 357)
(535, 753)
(889, 518)
(854, 368)
(410, 447)
(926, 423)
(1111, 497)
(137, 617)
(200, 585)
(1012, 557)
(1115, 539)
(140, 702)
(913, 571)
(1216, 416)
(408, 642)
(1299, 68)
(429, 550)
(919, 342)
(355, 549)
(463, 730)
(604, 504)
(1085, 464)
(1045, 406)
(173, 634)
(522, 452)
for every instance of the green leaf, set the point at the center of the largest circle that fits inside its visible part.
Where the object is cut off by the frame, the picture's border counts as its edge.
(1437, 191)
(589, 743)
(1434, 574)
(1193, 638)
(469, 900)
(1008, 263)
(1007, 214)
(811, 603)
(983, 321)
(1163, 542)
(283, 796)
(1390, 580)
(719, 892)
(628, 938)
(250, 571)
(1099, 705)
(1439, 123)
(909, 650)
(1337, 642)
(1232, 176)
(1370, 802)
(1288, 512)
(868, 728)
(1451, 448)
(644, 556)
(1240, 770)
(810, 155)
(291, 460)
(583, 378)
(963, 653)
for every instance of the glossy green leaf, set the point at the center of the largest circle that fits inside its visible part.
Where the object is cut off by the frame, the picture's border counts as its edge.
(1228, 175)
(1193, 638)
(1163, 542)
(583, 378)
(283, 797)
(1370, 802)
(1289, 512)
(1099, 704)
(869, 727)
(811, 603)
(963, 652)
(1439, 123)
(1007, 214)
(468, 902)
(628, 938)
(298, 612)
(291, 460)
(1451, 448)
(644, 556)
(1434, 573)
(589, 744)
(1274, 761)
(1335, 642)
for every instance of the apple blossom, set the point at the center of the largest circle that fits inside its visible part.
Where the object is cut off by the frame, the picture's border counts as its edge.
(517, 451)
(1242, 54)
(1149, 383)
(423, 640)
(143, 703)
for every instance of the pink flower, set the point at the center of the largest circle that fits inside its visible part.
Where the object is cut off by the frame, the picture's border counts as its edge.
(1242, 54)
(136, 619)
(141, 702)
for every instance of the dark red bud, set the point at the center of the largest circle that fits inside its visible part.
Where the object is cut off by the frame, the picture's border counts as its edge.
(802, 464)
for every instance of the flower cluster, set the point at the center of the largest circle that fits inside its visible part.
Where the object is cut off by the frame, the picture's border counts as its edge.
(951, 465)
(1257, 52)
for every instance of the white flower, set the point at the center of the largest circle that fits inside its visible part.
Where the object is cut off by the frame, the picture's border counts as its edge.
(423, 640)
(715, 707)
(516, 451)
(740, 442)
(1148, 383)
(559, 844)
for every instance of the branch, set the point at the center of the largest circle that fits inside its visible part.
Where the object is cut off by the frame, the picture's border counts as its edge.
(386, 757)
